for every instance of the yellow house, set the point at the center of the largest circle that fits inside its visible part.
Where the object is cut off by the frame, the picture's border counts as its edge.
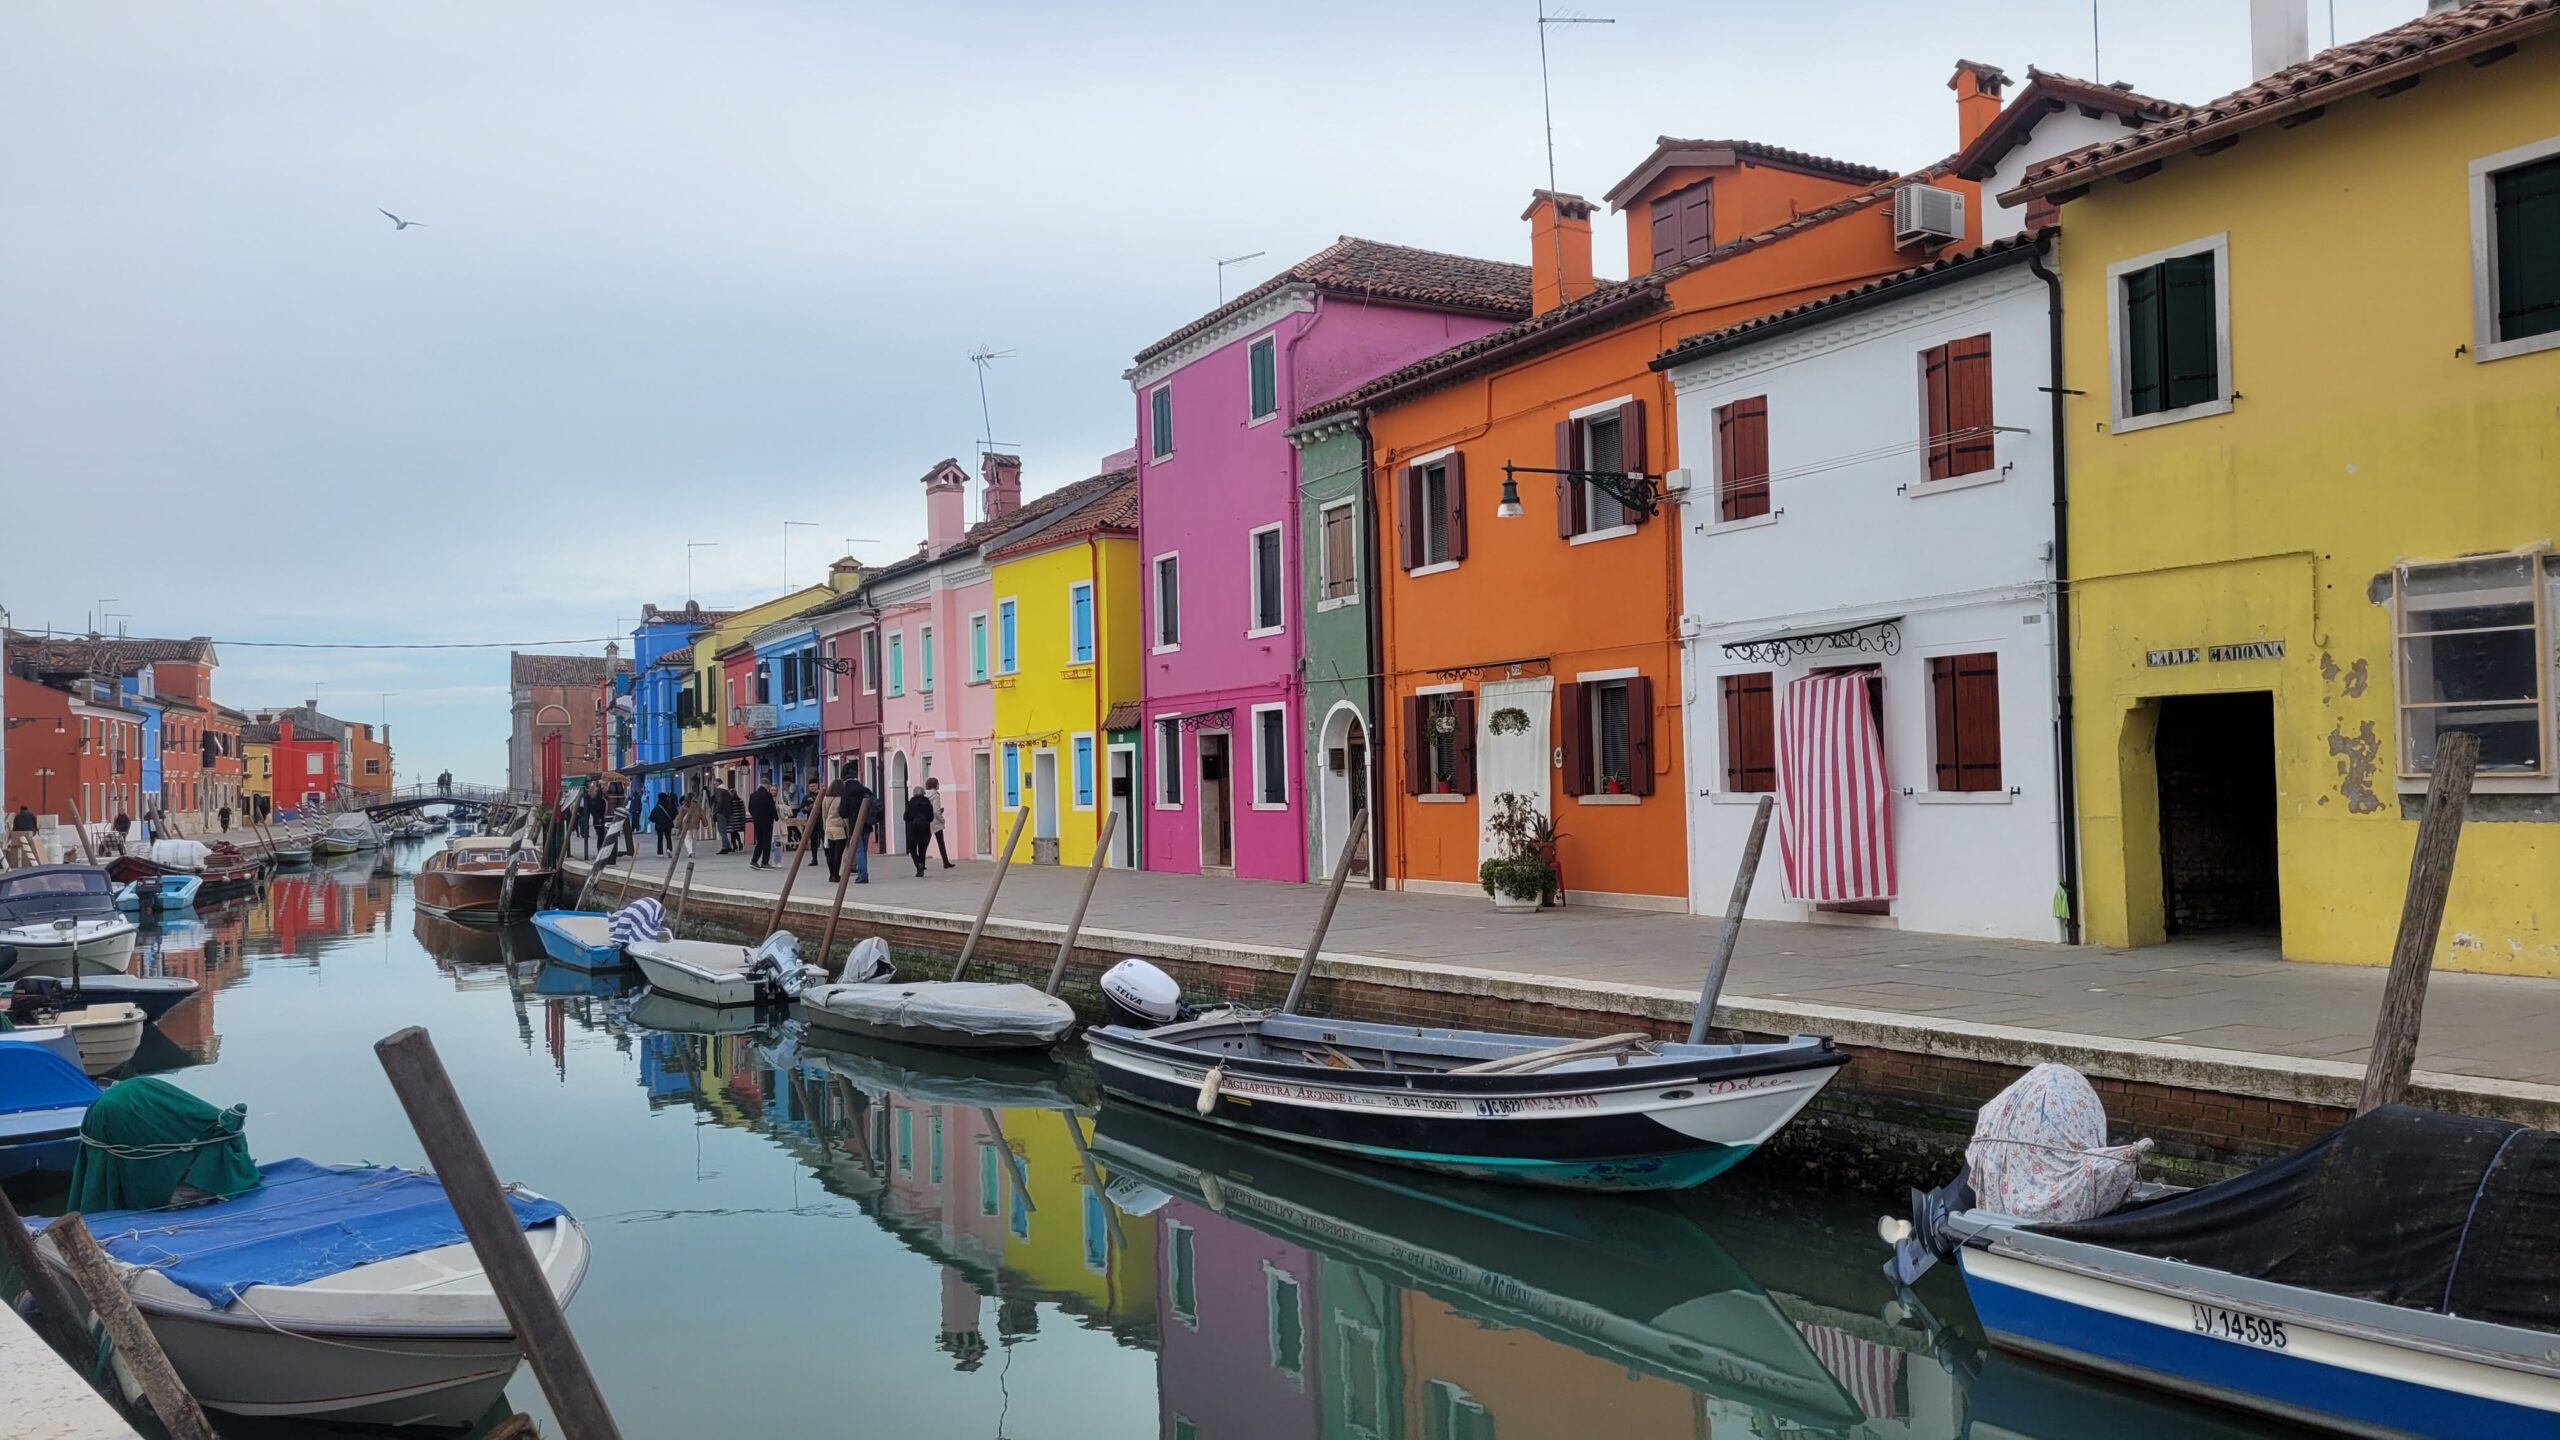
(1071, 1242)
(1065, 601)
(2312, 345)
(709, 728)
(257, 766)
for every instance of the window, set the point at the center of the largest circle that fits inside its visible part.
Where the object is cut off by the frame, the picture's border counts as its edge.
(1182, 1262)
(990, 1178)
(2171, 355)
(1681, 229)
(809, 675)
(2515, 248)
(1288, 1322)
(1012, 777)
(1750, 734)
(1361, 1361)
(372, 765)
(1607, 736)
(1964, 722)
(833, 690)
(1338, 579)
(790, 680)
(924, 659)
(1608, 438)
(1440, 743)
(764, 684)
(1955, 389)
(1270, 757)
(978, 647)
(1080, 623)
(1450, 1413)
(1169, 764)
(1168, 601)
(1084, 772)
(1742, 459)
(1262, 363)
(2469, 642)
(1431, 520)
(870, 661)
(311, 762)
(937, 1147)
(1097, 1228)
(898, 663)
(907, 1141)
(1160, 422)
(1265, 560)
(1007, 661)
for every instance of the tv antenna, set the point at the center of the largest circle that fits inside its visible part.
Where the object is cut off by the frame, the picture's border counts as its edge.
(982, 357)
(1233, 260)
(689, 547)
(1546, 101)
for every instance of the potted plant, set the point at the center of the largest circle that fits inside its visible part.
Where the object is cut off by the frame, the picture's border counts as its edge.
(1613, 784)
(1524, 874)
(1515, 883)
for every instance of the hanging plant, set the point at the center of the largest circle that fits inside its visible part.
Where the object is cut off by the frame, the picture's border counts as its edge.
(1510, 720)
(1444, 723)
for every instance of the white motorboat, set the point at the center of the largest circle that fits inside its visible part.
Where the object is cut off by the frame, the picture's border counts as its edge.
(347, 834)
(106, 1034)
(710, 972)
(947, 1014)
(56, 917)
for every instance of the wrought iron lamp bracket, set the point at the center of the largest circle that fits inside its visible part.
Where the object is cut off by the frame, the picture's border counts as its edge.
(1641, 494)
(1884, 638)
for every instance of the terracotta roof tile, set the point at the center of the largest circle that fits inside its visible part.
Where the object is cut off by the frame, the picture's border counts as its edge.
(2045, 94)
(1667, 150)
(1375, 270)
(107, 654)
(1111, 505)
(560, 671)
(2012, 247)
(2337, 73)
(1123, 716)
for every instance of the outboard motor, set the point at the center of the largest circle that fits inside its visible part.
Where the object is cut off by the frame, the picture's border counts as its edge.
(778, 969)
(33, 999)
(1143, 997)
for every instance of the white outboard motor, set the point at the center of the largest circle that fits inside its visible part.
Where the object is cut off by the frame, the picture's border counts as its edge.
(1141, 996)
(869, 964)
(779, 973)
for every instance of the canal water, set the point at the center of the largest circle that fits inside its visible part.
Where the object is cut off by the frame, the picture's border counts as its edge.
(800, 1241)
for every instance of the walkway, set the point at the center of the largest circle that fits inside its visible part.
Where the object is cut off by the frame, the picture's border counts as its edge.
(2229, 996)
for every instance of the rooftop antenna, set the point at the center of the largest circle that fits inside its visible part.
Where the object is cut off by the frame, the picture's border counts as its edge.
(2097, 70)
(1233, 260)
(1546, 102)
(98, 617)
(786, 548)
(982, 357)
(689, 547)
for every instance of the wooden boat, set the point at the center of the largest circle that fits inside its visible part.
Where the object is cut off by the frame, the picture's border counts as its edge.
(1618, 1114)
(469, 879)
(55, 919)
(2399, 1276)
(153, 995)
(952, 1014)
(579, 939)
(43, 1098)
(107, 1035)
(227, 870)
(158, 892)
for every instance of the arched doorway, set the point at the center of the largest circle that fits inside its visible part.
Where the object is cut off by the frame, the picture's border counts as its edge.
(1344, 777)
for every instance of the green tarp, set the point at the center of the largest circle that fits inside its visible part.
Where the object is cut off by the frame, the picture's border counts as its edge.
(145, 1137)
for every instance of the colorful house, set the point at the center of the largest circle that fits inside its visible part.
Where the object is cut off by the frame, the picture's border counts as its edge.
(1239, 1354)
(2308, 538)
(257, 762)
(786, 664)
(1217, 479)
(722, 684)
(1526, 490)
(369, 765)
(559, 700)
(1337, 601)
(1066, 640)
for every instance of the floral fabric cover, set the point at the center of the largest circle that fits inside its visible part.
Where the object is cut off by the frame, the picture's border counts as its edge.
(2040, 1151)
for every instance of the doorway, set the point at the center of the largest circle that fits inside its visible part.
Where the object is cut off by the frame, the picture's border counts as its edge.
(1217, 809)
(982, 800)
(1044, 805)
(1124, 795)
(2216, 757)
(1512, 757)
(1345, 781)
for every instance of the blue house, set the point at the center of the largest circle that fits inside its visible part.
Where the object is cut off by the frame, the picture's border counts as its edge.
(787, 672)
(134, 692)
(661, 654)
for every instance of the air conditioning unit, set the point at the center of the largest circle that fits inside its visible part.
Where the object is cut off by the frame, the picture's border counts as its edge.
(1927, 215)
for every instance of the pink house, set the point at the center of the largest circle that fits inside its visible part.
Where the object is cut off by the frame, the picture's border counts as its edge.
(1218, 527)
(1239, 1351)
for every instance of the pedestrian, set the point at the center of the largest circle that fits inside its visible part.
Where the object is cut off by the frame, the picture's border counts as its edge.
(941, 842)
(444, 782)
(224, 814)
(805, 809)
(919, 822)
(727, 813)
(591, 811)
(839, 831)
(861, 810)
(22, 838)
(761, 813)
(662, 819)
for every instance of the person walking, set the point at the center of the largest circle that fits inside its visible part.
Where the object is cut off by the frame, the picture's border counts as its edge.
(224, 815)
(729, 814)
(22, 838)
(919, 822)
(662, 819)
(761, 813)
(805, 809)
(839, 831)
(860, 810)
(941, 842)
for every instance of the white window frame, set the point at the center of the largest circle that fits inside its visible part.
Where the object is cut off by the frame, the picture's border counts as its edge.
(1432, 797)
(1157, 727)
(1165, 389)
(1253, 581)
(1090, 745)
(1930, 794)
(981, 623)
(833, 679)
(1281, 709)
(1593, 495)
(2485, 344)
(2120, 423)
(1158, 645)
(1011, 779)
(1176, 1234)
(1093, 620)
(1428, 566)
(1007, 664)
(1270, 340)
(865, 642)
(1349, 1333)
(2542, 782)
(1589, 720)
(1324, 556)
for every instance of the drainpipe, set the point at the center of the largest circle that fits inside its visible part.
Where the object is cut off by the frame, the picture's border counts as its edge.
(2065, 759)
(1376, 724)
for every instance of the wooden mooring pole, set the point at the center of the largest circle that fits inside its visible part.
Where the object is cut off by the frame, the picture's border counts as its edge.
(80, 831)
(170, 1401)
(1723, 961)
(1351, 843)
(995, 882)
(2413, 952)
(682, 895)
(471, 1184)
(844, 876)
(1075, 923)
(799, 859)
(58, 1316)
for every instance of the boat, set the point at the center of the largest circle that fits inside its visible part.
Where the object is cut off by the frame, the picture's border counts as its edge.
(360, 1302)
(153, 995)
(107, 1035)
(223, 869)
(718, 974)
(158, 892)
(55, 919)
(669, 1015)
(579, 939)
(1623, 1113)
(291, 854)
(952, 1014)
(43, 1097)
(347, 834)
(492, 878)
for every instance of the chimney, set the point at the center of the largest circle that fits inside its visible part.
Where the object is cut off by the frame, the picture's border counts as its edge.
(946, 506)
(845, 576)
(1003, 494)
(1559, 249)
(2279, 35)
(1977, 88)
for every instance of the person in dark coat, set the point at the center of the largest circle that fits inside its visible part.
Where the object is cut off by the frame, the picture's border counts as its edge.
(761, 813)
(919, 822)
(662, 819)
(23, 823)
(851, 801)
(224, 814)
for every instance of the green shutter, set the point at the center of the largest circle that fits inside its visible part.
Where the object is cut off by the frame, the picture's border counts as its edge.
(2194, 348)
(1264, 356)
(2527, 201)
(2143, 390)
(1160, 411)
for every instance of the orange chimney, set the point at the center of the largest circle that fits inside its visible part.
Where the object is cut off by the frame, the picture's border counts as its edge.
(1977, 88)
(1559, 249)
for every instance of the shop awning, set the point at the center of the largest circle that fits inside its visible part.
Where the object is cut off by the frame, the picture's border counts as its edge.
(696, 761)
(1874, 637)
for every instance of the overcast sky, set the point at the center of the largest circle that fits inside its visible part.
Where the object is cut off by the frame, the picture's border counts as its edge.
(693, 270)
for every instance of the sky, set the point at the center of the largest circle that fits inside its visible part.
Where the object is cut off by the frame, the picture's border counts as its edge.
(688, 272)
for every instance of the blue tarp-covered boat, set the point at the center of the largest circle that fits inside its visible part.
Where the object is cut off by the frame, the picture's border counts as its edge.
(43, 1098)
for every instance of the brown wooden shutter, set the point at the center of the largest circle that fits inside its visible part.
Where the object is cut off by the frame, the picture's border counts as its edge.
(1750, 742)
(1573, 733)
(1454, 492)
(1631, 454)
(1969, 405)
(1742, 441)
(1697, 233)
(1946, 771)
(1464, 704)
(1409, 517)
(1569, 517)
(1934, 426)
(1639, 735)
(1666, 231)
(1978, 714)
(1417, 745)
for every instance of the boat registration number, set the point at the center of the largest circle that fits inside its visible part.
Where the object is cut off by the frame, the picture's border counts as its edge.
(2238, 1326)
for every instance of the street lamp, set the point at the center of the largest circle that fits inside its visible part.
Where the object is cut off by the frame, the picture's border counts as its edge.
(1642, 495)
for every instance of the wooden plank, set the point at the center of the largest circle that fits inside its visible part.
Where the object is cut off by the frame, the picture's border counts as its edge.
(1075, 923)
(59, 1316)
(799, 859)
(844, 873)
(1356, 833)
(2404, 993)
(1713, 986)
(133, 1339)
(987, 905)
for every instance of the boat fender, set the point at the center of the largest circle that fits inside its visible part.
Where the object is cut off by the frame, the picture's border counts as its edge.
(1213, 1194)
(1209, 1086)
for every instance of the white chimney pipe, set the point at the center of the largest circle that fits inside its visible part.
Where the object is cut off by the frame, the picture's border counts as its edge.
(2279, 35)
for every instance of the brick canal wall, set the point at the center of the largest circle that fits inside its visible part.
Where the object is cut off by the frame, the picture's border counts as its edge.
(1899, 1114)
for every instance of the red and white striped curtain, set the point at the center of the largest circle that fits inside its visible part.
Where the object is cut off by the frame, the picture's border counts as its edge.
(1835, 838)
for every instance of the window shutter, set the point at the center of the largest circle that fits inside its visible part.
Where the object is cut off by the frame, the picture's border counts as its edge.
(1455, 491)
(1744, 486)
(1947, 770)
(1573, 735)
(1934, 424)
(2142, 360)
(1631, 454)
(1977, 684)
(1409, 517)
(1417, 745)
(1465, 706)
(1639, 735)
(1666, 231)
(1569, 518)
(2192, 347)
(1968, 416)
(1697, 235)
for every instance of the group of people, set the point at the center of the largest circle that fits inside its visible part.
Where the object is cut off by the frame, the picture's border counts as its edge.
(849, 815)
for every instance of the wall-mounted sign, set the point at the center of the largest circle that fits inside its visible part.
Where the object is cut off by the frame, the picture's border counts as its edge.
(2158, 658)
(758, 717)
(2253, 650)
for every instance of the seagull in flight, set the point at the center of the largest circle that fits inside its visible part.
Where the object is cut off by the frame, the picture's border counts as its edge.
(398, 224)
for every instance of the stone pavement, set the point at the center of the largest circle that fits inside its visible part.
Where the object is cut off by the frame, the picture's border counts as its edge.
(2234, 995)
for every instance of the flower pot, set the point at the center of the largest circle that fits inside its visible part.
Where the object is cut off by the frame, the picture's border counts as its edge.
(1513, 902)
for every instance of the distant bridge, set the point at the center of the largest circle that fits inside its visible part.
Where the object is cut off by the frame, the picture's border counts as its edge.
(416, 797)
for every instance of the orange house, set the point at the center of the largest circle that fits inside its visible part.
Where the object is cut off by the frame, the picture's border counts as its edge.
(1528, 635)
